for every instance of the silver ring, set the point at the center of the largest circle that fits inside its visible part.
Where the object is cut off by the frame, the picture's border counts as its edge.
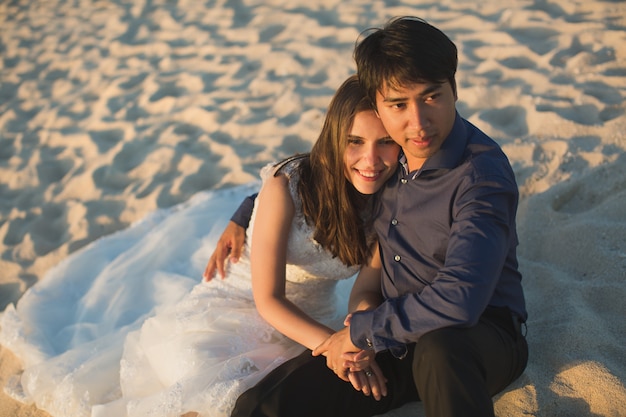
(368, 372)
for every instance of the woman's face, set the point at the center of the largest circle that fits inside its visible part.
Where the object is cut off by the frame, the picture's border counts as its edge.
(371, 156)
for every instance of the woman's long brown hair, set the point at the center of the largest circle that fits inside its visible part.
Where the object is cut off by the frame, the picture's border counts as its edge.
(339, 214)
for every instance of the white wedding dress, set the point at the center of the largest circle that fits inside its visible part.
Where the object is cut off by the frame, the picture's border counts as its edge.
(124, 327)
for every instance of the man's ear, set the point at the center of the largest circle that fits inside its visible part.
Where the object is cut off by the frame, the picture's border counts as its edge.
(376, 111)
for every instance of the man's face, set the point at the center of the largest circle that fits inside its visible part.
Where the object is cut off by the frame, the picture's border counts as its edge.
(418, 117)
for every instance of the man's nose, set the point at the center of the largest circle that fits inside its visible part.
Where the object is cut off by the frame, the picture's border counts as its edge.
(417, 117)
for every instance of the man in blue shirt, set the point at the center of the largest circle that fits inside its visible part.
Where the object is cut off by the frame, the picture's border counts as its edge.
(445, 323)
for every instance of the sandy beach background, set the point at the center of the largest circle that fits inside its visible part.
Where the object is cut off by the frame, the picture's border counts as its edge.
(112, 109)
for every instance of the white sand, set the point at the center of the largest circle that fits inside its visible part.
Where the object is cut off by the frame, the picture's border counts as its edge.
(109, 111)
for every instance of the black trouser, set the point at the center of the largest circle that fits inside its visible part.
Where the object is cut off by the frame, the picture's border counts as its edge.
(453, 371)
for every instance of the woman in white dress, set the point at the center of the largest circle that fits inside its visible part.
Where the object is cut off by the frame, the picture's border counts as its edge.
(142, 340)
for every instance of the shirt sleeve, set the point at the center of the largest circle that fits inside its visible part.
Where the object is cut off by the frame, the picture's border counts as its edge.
(481, 234)
(244, 211)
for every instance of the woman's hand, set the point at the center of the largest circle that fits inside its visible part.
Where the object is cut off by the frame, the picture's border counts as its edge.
(231, 243)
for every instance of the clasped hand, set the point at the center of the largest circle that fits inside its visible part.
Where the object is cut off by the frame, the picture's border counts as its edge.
(352, 364)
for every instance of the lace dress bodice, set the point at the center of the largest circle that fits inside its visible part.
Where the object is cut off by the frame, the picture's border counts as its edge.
(311, 271)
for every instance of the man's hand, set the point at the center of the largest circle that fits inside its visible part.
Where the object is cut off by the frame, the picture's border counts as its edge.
(352, 364)
(333, 348)
(358, 361)
(230, 243)
(370, 381)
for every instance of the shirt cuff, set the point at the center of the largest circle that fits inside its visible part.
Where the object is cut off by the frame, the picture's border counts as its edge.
(244, 212)
(363, 335)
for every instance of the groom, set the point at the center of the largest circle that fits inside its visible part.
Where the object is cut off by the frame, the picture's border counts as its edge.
(448, 331)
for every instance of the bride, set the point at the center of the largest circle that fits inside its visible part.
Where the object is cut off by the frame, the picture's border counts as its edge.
(122, 328)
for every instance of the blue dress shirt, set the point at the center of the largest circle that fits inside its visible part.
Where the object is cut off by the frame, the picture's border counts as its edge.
(448, 239)
(242, 215)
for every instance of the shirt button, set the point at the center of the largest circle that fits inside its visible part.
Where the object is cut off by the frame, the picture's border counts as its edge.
(394, 222)
(397, 258)
(403, 181)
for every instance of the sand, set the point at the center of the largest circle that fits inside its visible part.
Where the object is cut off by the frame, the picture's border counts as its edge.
(110, 110)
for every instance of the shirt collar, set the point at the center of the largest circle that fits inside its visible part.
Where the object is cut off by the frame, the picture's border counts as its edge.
(448, 156)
